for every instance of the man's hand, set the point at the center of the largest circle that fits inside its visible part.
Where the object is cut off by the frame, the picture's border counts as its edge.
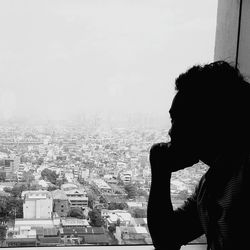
(160, 159)
(171, 157)
(161, 169)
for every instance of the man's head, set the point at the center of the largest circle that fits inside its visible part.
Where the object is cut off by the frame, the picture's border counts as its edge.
(209, 109)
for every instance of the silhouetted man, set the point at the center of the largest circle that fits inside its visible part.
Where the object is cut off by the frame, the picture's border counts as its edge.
(210, 123)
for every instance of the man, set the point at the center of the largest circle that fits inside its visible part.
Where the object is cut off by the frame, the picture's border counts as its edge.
(210, 123)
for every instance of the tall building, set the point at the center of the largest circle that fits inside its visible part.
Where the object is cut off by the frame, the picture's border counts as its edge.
(10, 166)
(37, 204)
(20, 172)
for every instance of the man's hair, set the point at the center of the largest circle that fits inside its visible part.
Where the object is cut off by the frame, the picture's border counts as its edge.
(218, 75)
(216, 94)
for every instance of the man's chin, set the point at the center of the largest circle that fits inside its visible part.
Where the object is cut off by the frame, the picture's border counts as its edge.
(184, 163)
(183, 158)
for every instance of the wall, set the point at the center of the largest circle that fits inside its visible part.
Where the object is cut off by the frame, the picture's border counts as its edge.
(29, 209)
(232, 42)
(227, 30)
(244, 41)
(44, 208)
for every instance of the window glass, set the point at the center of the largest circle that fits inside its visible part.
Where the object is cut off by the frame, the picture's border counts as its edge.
(85, 89)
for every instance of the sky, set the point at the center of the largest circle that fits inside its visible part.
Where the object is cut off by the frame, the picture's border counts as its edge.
(60, 58)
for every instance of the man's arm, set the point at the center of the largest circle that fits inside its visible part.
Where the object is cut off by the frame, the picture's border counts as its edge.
(187, 216)
(169, 229)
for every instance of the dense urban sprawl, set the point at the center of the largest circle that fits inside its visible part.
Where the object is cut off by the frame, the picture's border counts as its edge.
(75, 184)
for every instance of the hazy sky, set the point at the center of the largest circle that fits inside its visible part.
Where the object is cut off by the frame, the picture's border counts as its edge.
(59, 58)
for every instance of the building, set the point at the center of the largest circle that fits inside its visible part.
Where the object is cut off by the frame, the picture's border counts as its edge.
(20, 172)
(68, 186)
(37, 204)
(21, 242)
(69, 176)
(70, 222)
(85, 173)
(77, 198)
(22, 232)
(84, 235)
(24, 236)
(126, 177)
(132, 235)
(48, 236)
(139, 222)
(102, 186)
(45, 223)
(10, 167)
(121, 217)
(136, 204)
(61, 203)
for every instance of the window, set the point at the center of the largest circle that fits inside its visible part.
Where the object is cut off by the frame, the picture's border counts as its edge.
(85, 91)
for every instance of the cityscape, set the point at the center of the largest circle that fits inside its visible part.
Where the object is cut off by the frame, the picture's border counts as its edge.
(79, 183)
(85, 89)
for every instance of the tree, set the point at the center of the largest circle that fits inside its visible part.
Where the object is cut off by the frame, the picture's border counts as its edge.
(35, 187)
(131, 191)
(91, 200)
(77, 213)
(15, 207)
(3, 210)
(28, 178)
(2, 176)
(51, 188)
(183, 195)
(120, 206)
(61, 181)
(102, 199)
(112, 228)
(118, 222)
(81, 180)
(49, 175)
(96, 218)
(40, 161)
(3, 231)
(139, 213)
(112, 206)
(16, 190)
(10, 208)
(143, 193)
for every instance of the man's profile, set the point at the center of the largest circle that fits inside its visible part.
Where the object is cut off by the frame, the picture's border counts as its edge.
(210, 123)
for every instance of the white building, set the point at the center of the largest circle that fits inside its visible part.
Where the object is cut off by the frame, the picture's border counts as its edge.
(126, 177)
(37, 204)
(85, 173)
(22, 232)
(113, 216)
(69, 176)
(45, 223)
(20, 171)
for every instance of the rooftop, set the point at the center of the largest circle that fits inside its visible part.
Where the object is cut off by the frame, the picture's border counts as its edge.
(74, 222)
(59, 195)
